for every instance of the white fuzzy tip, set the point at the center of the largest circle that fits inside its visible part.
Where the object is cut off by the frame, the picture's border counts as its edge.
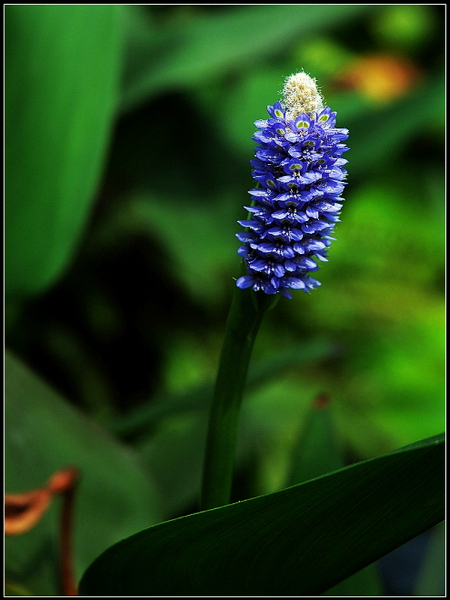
(300, 95)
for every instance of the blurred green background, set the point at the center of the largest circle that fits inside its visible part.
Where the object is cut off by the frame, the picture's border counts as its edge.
(127, 149)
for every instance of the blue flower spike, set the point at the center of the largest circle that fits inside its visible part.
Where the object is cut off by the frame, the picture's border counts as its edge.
(298, 168)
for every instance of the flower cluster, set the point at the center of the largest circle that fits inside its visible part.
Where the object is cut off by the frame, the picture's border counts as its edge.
(298, 168)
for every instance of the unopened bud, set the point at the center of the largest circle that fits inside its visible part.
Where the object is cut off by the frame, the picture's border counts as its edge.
(300, 95)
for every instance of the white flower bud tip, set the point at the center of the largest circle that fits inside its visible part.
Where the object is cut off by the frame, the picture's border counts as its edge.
(300, 95)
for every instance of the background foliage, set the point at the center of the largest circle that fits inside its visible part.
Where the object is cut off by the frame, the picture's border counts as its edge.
(128, 140)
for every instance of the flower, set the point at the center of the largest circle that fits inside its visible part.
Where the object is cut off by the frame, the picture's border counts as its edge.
(298, 168)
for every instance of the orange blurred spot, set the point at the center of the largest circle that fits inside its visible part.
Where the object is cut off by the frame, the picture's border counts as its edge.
(63, 480)
(381, 77)
(23, 511)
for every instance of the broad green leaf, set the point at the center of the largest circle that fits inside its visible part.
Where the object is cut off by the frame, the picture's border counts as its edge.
(318, 452)
(298, 541)
(62, 70)
(115, 496)
(198, 47)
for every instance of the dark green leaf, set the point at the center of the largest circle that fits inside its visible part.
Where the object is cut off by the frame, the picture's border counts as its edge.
(318, 452)
(63, 64)
(299, 541)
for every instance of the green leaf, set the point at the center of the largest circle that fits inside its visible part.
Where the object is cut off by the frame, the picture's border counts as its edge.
(115, 496)
(196, 47)
(318, 452)
(63, 64)
(298, 541)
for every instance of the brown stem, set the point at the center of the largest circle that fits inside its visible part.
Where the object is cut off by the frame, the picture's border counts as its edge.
(69, 587)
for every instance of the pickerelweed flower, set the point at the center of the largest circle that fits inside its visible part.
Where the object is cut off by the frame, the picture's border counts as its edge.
(296, 204)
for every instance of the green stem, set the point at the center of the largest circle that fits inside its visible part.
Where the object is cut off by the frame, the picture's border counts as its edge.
(245, 316)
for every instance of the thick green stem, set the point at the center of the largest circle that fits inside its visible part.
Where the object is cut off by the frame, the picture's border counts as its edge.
(245, 316)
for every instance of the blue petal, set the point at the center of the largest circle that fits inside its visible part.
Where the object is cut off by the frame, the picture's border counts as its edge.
(244, 251)
(276, 111)
(245, 236)
(245, 282)
(286, 293)
(259, 265)
(278, 270)
(294, 282)
(260, 123)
